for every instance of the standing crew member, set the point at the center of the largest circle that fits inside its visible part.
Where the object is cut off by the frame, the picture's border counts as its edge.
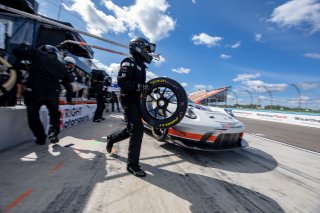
(101, 90)
(131, 80)
(70, 64)
(43, 87)
(114, 100)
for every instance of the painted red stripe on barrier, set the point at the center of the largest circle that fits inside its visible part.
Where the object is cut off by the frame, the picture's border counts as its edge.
(57, 167)
(77, 102)
(18, 200)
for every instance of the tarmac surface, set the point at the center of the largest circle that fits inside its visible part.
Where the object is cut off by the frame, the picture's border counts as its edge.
(301, 136)
(78, 175)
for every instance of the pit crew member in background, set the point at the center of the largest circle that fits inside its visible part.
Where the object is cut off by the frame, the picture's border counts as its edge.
(100, 93)
(114, 100)
(43, 87)
(70, 64)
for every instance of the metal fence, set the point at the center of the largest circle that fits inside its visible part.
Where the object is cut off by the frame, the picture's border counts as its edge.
(300, 96)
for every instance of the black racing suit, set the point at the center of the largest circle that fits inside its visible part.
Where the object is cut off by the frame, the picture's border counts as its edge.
(132, 72)
(100, 91)
(114, 100)
(42, 88)
(69, 90)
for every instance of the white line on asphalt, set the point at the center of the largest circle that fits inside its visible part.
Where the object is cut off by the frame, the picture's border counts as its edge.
(292, 146)
(259, 134)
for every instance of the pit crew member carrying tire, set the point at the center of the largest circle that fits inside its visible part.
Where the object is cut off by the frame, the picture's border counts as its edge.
(131, 80)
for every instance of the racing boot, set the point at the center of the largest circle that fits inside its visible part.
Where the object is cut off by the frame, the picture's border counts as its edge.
(109, 145)
(53, 136)
(40, 142)
(136, 170)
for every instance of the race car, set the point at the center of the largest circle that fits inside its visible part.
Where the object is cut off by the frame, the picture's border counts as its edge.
(203, 129)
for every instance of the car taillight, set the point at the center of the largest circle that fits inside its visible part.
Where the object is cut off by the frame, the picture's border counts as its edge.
(241, 134)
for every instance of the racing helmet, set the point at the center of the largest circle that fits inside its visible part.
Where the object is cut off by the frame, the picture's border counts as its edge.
(142, 48)
(69, 62)
(108, 80)
(50, 50)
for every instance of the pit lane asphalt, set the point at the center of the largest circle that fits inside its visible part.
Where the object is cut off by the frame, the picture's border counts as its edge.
(301, 136)
(77, 175)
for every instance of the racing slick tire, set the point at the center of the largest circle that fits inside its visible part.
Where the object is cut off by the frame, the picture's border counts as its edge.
(10, 82)
(164, 104)
(160, 134)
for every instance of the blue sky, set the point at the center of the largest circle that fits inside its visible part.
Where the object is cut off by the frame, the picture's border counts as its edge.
(207, 44)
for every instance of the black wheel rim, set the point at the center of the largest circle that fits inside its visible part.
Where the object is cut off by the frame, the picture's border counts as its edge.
(161, 103)
(165, 104)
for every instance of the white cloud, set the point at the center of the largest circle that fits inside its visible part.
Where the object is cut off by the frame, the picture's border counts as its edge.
(261, 97)
(242, 77)
(161, 61)
(235, 45)
(147, 17)
(312, 55)
(230, 97)
(298, 12)
(181, 70)
(302, 99)
(224, 56)
(193, 1)
(261, 86)
(258, 37)
(97, 21)
(144, 16)
(184, 84)
(205, 39)
(202, 87)
(308, 86)
(150, 75)
(111, 69)
(258, 85)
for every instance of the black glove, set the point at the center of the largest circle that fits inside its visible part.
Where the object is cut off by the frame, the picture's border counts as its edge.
(143, 88)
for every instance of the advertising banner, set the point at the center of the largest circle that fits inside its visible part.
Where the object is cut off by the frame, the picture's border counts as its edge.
(282, 117)
(72, 115)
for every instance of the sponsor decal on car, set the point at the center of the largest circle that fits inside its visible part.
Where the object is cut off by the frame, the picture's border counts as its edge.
(169, 124)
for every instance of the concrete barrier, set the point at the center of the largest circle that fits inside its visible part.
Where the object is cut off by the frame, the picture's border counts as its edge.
(301, 119)
(14, 128)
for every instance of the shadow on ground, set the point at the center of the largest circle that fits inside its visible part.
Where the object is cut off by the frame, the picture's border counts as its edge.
(57, 178)
(206, 194)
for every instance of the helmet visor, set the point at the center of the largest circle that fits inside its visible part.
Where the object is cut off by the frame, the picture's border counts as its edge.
(70, 65)
(150, 47)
